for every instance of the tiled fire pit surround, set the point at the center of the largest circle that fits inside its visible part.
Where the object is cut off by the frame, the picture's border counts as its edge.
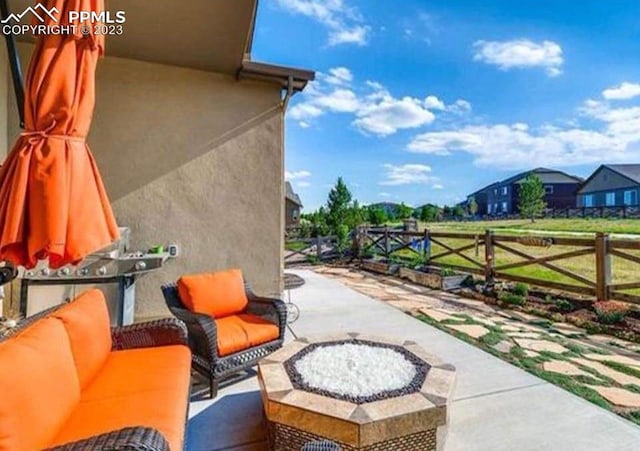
(411, 417)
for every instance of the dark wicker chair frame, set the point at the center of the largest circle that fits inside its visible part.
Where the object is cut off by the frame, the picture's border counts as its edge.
(161, 332)
(203, 336)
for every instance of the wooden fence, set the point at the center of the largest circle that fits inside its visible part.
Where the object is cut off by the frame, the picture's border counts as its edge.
(596, 281)
(304, 250)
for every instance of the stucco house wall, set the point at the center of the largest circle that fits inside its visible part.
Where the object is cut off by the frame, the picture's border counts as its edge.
(193, 158)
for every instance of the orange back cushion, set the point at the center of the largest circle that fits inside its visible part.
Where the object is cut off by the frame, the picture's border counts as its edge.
(39, 386)
(86, 320)
(216, 294)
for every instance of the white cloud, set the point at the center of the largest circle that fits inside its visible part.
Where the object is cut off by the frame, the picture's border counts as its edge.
(383, 194)
(623, 91)
(407, 174)
(437, 186)
(339, 76)
(303, 184)
(520, 53)
(296, 175)
(375, 110)
(344, 23)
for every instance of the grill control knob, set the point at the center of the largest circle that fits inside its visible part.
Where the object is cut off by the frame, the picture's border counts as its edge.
(102, 271)
(45, 271)
(30, 273)
(64, 271)
(140, 266)
(83, 272)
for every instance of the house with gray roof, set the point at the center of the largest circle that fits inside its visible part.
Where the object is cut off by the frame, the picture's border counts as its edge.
(611, 185)
(560, 191)
(292, 205)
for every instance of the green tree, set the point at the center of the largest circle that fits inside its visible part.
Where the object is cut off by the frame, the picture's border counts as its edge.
(447, 210)
(531, 197)
(429, 213)
(377, 215)
(403, 211)
(338, 205)
(457, 211)
(356, 215)
(472, 206)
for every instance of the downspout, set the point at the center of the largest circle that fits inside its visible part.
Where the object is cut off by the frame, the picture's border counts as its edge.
(14, 62)
(288, 95)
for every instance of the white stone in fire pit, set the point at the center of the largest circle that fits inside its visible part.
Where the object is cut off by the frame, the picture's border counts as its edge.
(355, 370)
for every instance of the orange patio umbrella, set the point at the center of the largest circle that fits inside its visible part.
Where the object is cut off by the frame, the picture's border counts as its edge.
(52, 200)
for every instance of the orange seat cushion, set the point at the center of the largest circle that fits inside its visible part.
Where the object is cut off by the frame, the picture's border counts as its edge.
(86, 320)
(39, 386)
(217, 294)
(136, 387)
(239, 332)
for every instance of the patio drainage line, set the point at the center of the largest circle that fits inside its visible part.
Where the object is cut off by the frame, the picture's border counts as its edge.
(292, 332)
(506, 390)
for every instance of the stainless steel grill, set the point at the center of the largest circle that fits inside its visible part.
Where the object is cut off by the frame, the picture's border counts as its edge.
(113, 269)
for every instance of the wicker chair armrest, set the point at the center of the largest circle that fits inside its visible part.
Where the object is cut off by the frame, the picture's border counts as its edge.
(203, 333)
(162, 332)
(132, 438)
(272, 308)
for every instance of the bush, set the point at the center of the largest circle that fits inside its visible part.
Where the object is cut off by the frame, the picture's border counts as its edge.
(447, 272)
(521, 289)
(610, 312)
(563, 305)
(512, 299)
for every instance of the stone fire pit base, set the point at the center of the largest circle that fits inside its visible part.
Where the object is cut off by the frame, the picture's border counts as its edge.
(410, 418)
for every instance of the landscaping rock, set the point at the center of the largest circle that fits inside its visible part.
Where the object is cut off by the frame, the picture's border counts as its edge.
(618, 396)
(473, 330)
(530, 353)
(438, 315)
(568, 329)
(566, 368)
(530, 335)
(503, 346)
(540, 345)
(624, 360)
(620, 378)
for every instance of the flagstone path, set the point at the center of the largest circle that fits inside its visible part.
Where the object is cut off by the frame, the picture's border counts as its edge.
(606, 365)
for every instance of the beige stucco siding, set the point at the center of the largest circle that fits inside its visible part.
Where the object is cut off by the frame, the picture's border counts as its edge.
(4, 102)
(192, 158)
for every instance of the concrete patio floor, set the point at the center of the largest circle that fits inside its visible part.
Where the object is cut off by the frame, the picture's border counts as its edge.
(496, 406)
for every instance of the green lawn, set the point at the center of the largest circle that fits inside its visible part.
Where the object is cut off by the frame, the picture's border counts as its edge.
(622, 226)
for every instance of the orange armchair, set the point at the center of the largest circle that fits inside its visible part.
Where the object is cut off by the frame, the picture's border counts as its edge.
(230, 327)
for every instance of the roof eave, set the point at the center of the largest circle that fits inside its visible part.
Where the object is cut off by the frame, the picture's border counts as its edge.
(253, 70)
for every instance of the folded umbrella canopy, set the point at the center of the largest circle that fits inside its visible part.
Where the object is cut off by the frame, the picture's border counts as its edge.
(52, 200)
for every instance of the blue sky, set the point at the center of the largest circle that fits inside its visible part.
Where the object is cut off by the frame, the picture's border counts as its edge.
(427, 101)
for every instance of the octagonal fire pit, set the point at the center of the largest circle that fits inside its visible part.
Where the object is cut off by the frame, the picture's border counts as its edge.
(362, 392)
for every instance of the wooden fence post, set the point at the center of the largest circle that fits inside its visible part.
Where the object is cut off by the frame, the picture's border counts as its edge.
(319, 247)
(426, 254)
(387, 243)
(489, 258)
(603, 266)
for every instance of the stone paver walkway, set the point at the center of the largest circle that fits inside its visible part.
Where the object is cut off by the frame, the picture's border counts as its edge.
(608, 366)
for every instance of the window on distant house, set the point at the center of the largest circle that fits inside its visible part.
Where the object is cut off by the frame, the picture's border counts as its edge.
(630, 197)
(489, 208)
(495, 191)
(504, 207)
(495, 208)
(548, 189)
(295, 214)
(588, 200)
(610, 199)
(505, 190)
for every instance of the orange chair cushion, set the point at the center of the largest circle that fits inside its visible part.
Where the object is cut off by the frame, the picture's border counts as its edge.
(39, 386)
(136, 387)
(239, 332)
(217, 294)
(86, 320)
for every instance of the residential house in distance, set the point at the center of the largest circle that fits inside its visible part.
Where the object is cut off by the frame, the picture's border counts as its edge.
(480, 197)
(292, 207)
(611, 185)
(560, 191)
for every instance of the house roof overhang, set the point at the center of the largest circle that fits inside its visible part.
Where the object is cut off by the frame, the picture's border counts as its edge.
(213, 36)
